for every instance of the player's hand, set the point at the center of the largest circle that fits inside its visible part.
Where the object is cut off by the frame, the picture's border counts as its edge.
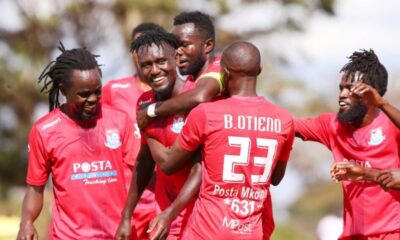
(142, 119)
(27, 232)
(349, 171)
(124, 230)
(159, 226)
(367, 94)
(389, 179)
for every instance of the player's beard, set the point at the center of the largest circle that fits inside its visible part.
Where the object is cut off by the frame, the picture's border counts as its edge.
(194, 68)
(355, 114)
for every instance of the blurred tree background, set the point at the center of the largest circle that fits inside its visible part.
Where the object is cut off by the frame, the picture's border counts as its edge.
(29, 43)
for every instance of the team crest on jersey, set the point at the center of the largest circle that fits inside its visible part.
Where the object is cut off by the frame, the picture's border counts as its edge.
(112, 138)
(178, 123)
(377, 137)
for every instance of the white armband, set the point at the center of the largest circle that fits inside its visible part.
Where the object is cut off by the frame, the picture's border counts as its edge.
(151, 110)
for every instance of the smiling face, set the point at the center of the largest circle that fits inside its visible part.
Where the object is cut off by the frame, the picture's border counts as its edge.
(191, 54)
(350, 108)
(83, 94)
(157, 67)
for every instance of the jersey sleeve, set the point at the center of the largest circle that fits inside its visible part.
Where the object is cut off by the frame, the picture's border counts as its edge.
(287, 147)
(213, 75)
(128, 142)
(39, 166)
(314, 129)
(193, 131)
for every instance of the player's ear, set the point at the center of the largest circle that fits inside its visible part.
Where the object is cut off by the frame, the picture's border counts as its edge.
(209, 45)
(62, 89)
(259, 70)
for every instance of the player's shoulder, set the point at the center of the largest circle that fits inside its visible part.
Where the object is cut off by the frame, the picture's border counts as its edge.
(48, 122)
(121, 83)
(108, 111)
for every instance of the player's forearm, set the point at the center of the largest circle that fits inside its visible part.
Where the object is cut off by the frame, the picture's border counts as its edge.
(371, 174)
(392, 112)
(159, 152)
(32, 204)
(182, 103)
(188, 192)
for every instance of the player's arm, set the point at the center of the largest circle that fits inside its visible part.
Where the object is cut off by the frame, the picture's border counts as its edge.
(278, 173)
(351, 171)
(370, 96)
(31, 208)
(172, 159)
(390, 179)
(205, 90)
(169, 159)
(140, 179)
(160, 225)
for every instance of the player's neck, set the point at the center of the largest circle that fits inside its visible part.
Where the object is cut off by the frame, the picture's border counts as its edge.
(141, 84)
(370, 116)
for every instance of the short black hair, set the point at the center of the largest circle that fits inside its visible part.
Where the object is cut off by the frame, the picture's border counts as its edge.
(146, 27)
(60, 71)
(156, 38)
(201, 21)
(366, 62)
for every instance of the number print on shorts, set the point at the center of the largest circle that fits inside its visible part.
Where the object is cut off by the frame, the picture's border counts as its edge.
(230, 161)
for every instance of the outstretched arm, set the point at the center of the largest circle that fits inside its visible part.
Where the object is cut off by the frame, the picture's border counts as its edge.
(31, 208)
(160, 225)
(140, 179)
(369, 96)
(206, 89)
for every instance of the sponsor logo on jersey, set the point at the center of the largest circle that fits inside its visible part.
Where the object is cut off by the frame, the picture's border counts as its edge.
(178, 123)
(94, 172)
(120, 85)
(112, 139)
(51, 124)
(377, 137)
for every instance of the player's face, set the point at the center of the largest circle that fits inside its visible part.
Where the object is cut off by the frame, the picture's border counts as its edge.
(157, 67)
(350, 107)
(83, 94)
(191, 55)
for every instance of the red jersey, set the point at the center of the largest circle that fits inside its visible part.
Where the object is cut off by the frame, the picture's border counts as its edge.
(123, 94)
(242, 139)
(86, 165)
(368, 209)
(165, 130)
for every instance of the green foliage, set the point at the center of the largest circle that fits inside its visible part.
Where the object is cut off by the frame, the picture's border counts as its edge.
(291, 232)
(12, 170)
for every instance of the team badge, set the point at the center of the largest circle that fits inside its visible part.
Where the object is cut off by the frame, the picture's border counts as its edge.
(177, 125)
(112, 139)
(377, 137)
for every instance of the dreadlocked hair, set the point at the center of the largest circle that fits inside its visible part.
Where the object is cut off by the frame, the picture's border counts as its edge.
(60, 71)
(157, 38)
(367, 63)
(146, 27)
(201, 21)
